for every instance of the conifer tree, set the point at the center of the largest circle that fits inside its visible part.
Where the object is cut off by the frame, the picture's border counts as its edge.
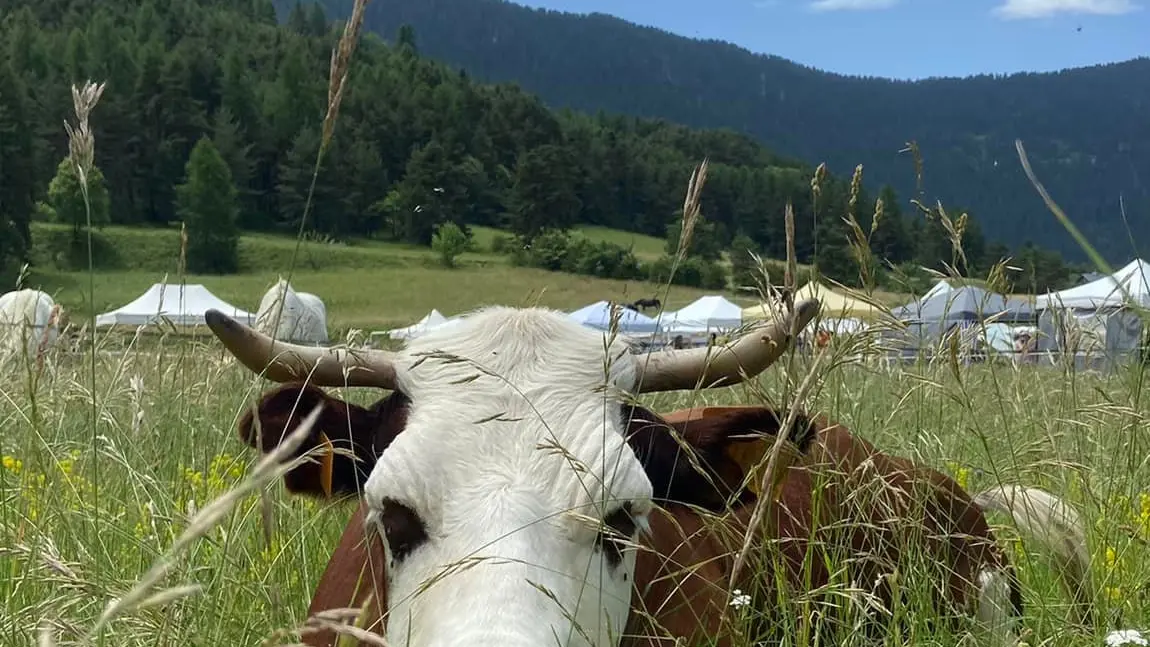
(68, 201)
(206, 202)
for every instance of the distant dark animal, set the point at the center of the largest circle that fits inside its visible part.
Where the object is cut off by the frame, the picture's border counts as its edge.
(443, 471)
(631, 306)
(643, 304)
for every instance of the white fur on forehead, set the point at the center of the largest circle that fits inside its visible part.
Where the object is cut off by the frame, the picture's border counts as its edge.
(521, 346)
(540, 384)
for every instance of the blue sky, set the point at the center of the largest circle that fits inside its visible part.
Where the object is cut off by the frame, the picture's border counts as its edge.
(903, 39)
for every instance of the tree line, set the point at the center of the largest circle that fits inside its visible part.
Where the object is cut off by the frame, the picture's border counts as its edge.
(1084, 129)
(417, 145)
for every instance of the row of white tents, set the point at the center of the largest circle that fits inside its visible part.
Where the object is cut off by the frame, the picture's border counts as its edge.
(302, 317)
(705, 316)
(1096, 314)
(30, 320)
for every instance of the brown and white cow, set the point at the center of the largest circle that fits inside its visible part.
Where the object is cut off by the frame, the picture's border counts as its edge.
(467, 472)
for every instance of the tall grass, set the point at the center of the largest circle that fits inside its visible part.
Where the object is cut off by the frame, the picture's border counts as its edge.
(166, 447)
(176, 549)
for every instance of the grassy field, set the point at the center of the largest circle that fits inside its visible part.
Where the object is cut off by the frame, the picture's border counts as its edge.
(94, 495)
(90, 506)
(367, 285)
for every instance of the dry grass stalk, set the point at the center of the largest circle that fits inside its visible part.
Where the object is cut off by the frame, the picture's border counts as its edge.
(792, 268)
(183, 248)
(772, 473)
(816, 193)
(343, 629)
(691, 208)
(859, 241)
(766, 484)
(916, 156)
(340, 64)
(81, 141)
(337, 83)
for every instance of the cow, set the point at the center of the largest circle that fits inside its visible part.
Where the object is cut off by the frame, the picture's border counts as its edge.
(29, 323)
(643, 304)
(461, 461)
(303, 317)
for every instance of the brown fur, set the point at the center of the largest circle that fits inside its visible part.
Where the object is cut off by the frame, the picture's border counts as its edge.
(366, 432)
(682, 575)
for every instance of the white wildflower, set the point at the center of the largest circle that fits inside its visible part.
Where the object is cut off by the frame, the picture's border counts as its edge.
(1125, 637)
(741, 599)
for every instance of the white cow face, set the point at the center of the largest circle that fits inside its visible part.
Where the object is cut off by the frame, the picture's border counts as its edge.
(509, 502)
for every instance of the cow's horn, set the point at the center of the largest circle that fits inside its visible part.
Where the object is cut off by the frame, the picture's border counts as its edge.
(749, 355)
(283, 362)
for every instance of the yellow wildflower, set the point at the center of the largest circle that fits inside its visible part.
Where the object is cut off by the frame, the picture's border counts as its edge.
(962, 477)
(12, 464)
(1114, 593)
(195, 478)
(1144, 515)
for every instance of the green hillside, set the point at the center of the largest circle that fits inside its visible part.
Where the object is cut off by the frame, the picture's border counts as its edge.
(1086, 130)
(414, 145)
(365, 285)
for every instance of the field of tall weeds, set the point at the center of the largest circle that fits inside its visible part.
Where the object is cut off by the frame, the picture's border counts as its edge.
(94, 498)
(133, 515)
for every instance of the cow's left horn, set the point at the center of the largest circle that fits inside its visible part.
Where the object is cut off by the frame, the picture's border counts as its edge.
(283, 362)
(749, 355)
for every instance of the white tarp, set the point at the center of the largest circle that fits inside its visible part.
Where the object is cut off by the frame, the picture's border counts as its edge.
(27, 316)
(1106, 292)
(430, 321)
(705, 314)
(942, 287)
(302, 316)
(183, 305)
(598, 315)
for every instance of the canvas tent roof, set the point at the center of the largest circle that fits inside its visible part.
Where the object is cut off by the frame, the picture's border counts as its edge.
(703, 315)
(429, 321)
(942, 286)
(832, 304)
(598, 315)
(183, 305)
(966, 303)
(1106, 292)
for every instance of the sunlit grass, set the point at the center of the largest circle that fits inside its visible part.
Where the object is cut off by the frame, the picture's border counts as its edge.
(167, 445)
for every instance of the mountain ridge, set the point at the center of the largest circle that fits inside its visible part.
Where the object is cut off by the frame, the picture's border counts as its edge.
(1080, 126)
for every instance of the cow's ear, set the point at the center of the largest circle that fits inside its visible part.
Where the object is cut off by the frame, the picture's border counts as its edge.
(742, 438)
(341, 425)
(279, 411)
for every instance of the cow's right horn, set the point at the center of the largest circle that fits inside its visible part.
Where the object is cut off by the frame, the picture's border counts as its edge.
(283, 362)
(747, 356)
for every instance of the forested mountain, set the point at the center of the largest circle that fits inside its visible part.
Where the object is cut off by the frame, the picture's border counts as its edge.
(416, 144)
(1087, 131)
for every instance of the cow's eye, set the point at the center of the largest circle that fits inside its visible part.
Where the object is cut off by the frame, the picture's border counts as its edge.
(618, 527)
(402, 528)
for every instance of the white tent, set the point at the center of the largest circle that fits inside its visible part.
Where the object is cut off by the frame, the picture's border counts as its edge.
(942, 287)
(446, 324)
(183, 305)
(705, 314)
(432, 320)
(1106, 292)
(598, 315)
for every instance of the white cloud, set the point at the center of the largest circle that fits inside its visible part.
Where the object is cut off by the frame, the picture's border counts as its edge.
(1045, 8)
(851, 5)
